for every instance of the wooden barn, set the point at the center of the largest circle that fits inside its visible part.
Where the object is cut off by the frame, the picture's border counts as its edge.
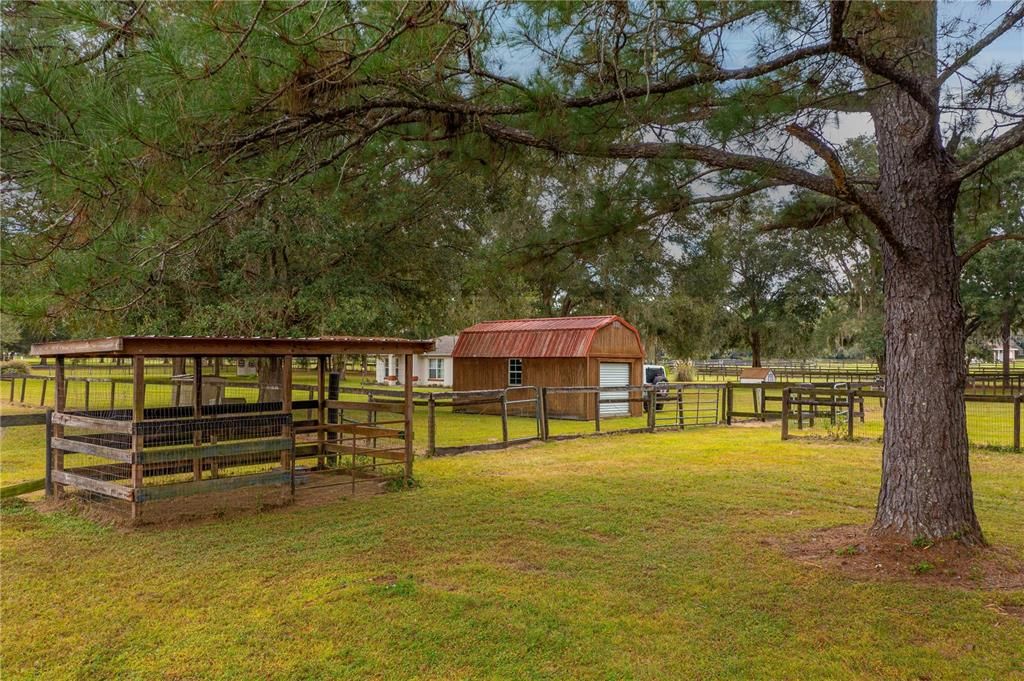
(561, 351)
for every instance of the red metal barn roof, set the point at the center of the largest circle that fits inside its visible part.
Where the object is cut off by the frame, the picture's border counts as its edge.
(549, 337)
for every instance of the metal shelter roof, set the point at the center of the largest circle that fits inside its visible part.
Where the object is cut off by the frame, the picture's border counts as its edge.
(227, 346)
(547, 337)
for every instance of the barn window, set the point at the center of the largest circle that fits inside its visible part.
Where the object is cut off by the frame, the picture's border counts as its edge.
(435, 367)
(515, 372)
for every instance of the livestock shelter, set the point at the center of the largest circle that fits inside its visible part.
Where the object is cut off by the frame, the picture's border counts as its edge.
(141, 448)
(601, 351)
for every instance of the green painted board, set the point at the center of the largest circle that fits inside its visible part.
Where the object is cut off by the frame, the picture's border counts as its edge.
(184, 489)
(189, 452)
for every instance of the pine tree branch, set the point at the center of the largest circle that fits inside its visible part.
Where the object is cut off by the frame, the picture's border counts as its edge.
(1010, 21)
(866, 201)
(717, 158)
(847, 47)
(991, 151)
(985, 243)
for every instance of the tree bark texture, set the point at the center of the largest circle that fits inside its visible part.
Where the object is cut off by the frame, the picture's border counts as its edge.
(926, 478)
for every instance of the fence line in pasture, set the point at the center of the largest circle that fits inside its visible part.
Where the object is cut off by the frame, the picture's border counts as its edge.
(992, 420)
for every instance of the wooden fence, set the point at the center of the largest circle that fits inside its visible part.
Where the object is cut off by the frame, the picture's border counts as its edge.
(992, 420)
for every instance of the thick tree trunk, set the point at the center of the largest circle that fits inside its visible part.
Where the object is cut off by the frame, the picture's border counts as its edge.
(926, 477)
(1006, 348)
(755, 348)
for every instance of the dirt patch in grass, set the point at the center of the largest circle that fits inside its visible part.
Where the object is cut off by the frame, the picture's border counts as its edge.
(854, 552)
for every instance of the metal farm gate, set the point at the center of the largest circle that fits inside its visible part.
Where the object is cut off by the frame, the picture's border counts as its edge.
(684, 404)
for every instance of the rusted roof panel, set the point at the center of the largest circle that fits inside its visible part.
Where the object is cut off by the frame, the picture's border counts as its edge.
(228, 346)
(548, 337)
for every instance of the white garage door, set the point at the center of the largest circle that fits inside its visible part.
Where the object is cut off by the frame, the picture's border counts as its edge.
(613, 375)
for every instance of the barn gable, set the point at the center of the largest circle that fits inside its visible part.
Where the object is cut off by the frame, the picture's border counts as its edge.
(558, 337)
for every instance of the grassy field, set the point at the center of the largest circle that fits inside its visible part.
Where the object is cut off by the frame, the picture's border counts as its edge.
(640, 556)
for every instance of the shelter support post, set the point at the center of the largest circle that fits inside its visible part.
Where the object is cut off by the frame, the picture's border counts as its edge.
(138, 416)
(286, 430)
(197, 412)
(60, 399)
(321, 411)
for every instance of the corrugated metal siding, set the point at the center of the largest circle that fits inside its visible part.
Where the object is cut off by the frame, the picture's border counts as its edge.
(554, 337)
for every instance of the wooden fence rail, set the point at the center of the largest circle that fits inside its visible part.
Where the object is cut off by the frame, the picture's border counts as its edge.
(840, 403)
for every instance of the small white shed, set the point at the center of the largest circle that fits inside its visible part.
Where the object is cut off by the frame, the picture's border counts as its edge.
(757, 375)
(433, 368)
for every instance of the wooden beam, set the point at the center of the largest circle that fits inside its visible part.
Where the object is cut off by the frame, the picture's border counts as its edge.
(101, 425)
(360, 430)
(395, 407)
(218, 450)
(393, 453)
(107, 489)
(184, 489)
(67, 445)
(15, 420)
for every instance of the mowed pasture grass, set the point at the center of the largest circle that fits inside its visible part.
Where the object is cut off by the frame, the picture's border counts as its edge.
(633, 556)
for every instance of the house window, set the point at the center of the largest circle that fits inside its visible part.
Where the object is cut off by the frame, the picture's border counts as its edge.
(435, 368)
(515, 372)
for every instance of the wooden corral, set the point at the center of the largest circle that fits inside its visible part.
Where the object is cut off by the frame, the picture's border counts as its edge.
(175, 441)
(561, 351)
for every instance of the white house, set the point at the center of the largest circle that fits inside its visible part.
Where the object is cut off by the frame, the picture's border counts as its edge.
(430, 369)
(997, 351)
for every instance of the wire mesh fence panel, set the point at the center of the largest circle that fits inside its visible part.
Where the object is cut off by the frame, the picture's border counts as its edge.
(361, 441)
(990, 424)
(992, 420)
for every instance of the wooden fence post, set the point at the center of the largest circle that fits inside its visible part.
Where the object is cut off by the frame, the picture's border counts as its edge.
(504, 418)
(679, 406)
(24, 383)
(728, 404)
(431, 425)
(849, 412)
(407, 390)
(785, 413)
(652, 408)
(42, 394)
(1016, 421)
(799, 411)
(11, 399)
(48, 476)
(544, 413)
(597, 411)
(538, 413)
(87, 383)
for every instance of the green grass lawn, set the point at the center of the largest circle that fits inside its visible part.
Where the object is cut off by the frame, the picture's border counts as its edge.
(639, 556)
